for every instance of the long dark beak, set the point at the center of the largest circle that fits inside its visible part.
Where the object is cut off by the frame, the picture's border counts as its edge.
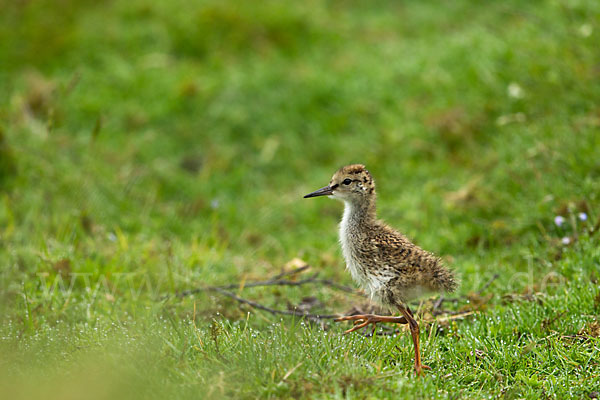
(324, 191)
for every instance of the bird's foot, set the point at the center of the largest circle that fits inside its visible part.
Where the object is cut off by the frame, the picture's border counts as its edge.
(362, 320)
(419, 369)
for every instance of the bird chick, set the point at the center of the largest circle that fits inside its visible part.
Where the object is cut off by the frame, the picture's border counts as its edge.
(381, 260)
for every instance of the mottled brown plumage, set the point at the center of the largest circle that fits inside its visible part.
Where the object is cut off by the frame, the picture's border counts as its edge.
(381, 260)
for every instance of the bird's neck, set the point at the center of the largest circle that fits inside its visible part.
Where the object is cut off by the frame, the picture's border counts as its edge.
(357, 214)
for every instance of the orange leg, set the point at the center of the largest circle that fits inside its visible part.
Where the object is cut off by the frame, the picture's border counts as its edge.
(363, 320)
(414, 332)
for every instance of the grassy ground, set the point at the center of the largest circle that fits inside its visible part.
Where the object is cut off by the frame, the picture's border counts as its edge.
(152, 147)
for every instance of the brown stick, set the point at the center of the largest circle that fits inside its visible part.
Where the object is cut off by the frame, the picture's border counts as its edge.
(277, 281)
(273, 282)
(292, 272)
(271, 310)
(487, 285)
(437, 304)
(595, 228)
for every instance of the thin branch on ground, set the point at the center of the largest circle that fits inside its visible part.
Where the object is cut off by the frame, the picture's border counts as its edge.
(278, 281)
(272, 310)
(273, 282)
(291, 272)
(487, 285)
(437, 304)
(451, 317)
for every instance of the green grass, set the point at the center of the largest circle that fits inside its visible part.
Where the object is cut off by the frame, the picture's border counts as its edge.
(152, 147)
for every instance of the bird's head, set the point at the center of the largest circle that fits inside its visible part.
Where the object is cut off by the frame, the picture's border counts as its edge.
(352, 183)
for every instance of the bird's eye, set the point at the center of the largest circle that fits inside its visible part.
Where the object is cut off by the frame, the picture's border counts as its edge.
(347, 181)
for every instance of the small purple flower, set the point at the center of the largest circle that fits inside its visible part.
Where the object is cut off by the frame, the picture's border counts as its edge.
(559, 220)
(215, 203)
(566, 240)
(582, 216)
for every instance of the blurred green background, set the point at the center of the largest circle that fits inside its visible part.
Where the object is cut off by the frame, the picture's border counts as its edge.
(152, 147)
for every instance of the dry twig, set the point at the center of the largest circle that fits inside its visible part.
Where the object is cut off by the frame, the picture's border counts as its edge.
(278, 280)
(273, 282)
(269, 309)
(487, 285)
